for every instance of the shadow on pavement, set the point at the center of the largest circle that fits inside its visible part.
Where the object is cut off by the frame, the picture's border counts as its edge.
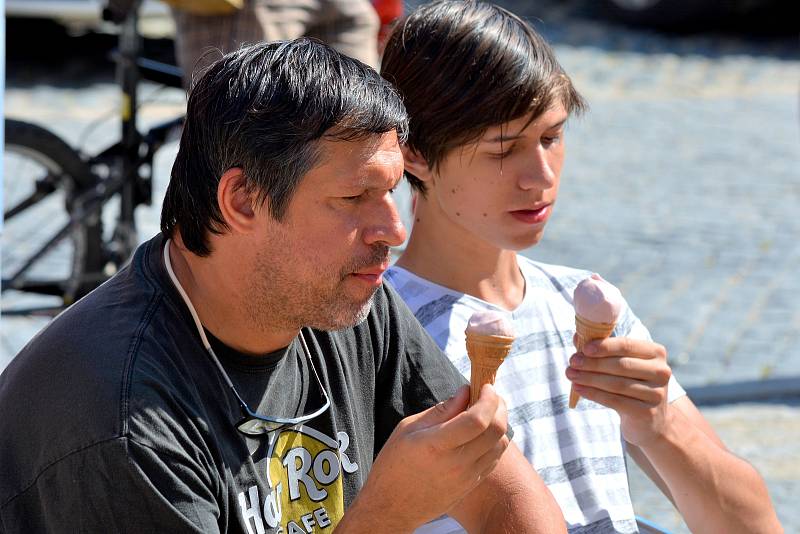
(769, 391)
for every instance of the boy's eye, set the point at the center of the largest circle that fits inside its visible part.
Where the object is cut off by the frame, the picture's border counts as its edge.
(549, 140)
(504, 154)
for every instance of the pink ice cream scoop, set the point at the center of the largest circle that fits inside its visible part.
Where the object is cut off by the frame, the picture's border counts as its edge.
(597, 300)
(490, 323)
(597, 306)
(489, 337)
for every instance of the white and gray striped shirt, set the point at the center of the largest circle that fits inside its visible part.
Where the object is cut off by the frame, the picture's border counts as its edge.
(578, 453)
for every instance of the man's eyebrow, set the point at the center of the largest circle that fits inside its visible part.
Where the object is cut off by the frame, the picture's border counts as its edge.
(504, 138)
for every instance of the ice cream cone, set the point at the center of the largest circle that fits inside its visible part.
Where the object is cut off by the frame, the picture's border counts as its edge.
(486, 353)
(587, 331)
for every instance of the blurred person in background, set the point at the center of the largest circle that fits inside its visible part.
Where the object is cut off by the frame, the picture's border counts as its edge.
(207, 29)
(488, 104)
(350, 26)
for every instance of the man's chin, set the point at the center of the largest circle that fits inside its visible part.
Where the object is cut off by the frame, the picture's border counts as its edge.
(340, 317)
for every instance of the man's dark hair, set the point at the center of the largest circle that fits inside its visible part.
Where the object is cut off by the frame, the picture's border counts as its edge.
(464, 66)
(265, 108)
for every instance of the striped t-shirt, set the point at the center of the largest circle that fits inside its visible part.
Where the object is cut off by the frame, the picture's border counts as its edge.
(578, 453)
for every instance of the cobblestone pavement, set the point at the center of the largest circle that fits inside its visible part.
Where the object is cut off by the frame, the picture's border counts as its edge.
(764, 434)
(681, 187)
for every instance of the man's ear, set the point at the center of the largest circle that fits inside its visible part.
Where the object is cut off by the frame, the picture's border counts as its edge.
(236, 205)
(416, 164)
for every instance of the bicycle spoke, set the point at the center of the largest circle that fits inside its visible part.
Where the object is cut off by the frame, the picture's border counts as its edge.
(43, 189)
(61, 234)
(52, 239)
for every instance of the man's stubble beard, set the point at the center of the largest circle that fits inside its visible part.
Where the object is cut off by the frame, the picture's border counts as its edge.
(279, 300)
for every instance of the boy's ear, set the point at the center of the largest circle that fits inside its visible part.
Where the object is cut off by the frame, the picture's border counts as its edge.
(415, 163)
(236, 205)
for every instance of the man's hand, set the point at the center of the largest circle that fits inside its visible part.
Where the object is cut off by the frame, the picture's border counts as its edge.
(430, 462)
(629, 376)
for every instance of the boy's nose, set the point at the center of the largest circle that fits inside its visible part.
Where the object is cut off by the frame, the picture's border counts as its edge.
(539, 173)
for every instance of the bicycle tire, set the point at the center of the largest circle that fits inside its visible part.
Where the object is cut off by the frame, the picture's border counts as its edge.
(60, 169)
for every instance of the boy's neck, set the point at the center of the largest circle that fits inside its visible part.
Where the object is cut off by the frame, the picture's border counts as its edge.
(465, 264)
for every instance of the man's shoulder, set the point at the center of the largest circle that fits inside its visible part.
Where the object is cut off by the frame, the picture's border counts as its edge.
(94, 334)
(90, 340)
(72, 385)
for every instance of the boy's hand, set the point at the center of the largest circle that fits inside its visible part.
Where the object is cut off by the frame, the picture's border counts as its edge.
(432, 461)
(629, 376)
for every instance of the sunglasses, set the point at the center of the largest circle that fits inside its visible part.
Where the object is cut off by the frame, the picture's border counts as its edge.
(256, 424)
(252, 423)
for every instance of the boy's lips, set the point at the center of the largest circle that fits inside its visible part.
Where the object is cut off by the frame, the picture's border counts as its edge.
(535, 215)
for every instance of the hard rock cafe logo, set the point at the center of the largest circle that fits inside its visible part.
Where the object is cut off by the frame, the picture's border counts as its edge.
(305, 480)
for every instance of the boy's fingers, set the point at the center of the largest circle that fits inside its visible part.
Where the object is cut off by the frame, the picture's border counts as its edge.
(619, 403)
(624, 346)
(636, 368)
(634, 389)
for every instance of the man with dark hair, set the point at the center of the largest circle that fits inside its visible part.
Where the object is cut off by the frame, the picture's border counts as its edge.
(487, 104)
(248, 371)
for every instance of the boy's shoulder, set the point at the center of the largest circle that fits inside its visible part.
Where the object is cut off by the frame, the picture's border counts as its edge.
(411, 286)
(418, 291)
(550, 275)
(427, 300)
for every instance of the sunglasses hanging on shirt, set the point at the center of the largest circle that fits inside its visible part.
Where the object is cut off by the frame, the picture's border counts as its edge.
(252, 423)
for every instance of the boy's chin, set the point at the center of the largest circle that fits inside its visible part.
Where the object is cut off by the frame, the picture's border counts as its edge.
(523, 242)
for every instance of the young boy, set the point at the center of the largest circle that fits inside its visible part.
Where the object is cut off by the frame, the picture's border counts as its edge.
(488, 102)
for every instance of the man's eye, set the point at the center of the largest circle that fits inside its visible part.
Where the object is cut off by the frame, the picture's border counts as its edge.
(352, 198)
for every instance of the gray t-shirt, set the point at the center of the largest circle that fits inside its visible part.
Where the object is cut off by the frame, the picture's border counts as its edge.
(115, 419)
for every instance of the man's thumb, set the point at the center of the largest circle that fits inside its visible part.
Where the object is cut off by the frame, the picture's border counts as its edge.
(444, 411)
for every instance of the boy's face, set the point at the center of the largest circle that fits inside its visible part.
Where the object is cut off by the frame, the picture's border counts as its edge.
(502, 188)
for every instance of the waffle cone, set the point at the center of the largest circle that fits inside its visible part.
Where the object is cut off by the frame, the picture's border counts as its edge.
(486, 353)
(587, 331)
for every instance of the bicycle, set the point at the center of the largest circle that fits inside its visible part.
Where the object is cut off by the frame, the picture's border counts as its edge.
(53, 238)
(69, 257)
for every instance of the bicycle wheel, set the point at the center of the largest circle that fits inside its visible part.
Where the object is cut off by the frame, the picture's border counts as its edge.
(42, 177)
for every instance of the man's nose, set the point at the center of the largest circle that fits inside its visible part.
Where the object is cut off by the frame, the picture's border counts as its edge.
(385, 226)
(539, 172)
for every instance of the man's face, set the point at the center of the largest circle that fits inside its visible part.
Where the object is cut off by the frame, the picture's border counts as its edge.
(321, 265)
(501, 189)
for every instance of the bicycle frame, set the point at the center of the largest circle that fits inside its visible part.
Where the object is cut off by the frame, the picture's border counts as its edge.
(135, 170)
(123, 169)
